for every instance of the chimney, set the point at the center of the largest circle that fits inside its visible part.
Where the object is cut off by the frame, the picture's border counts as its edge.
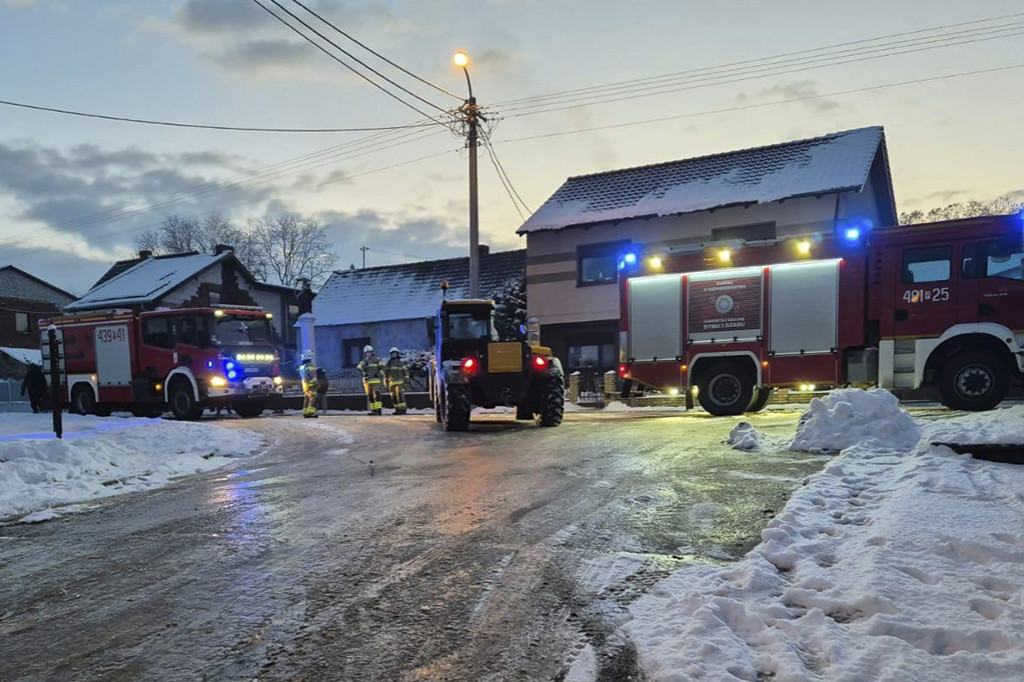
(144, 254)
(483, 250)
(221, 248)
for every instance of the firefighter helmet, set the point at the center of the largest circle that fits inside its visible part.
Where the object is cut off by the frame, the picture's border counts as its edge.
(367, 348)
(307, 356)
(394, 350)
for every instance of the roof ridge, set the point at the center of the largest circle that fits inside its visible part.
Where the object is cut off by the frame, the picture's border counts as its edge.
(729, 153)
(425, 260)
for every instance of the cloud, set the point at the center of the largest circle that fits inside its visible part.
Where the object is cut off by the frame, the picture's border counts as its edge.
(263, 56)
(392, 238)
(806, 90)
(220, 16)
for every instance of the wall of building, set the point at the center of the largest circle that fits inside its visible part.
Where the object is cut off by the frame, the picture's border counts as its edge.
(403, 334)
(9, 336)
(555, 298)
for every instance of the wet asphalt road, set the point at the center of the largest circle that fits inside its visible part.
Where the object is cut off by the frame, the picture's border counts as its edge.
(356, 548)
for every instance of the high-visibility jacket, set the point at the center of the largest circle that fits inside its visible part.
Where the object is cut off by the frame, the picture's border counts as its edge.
(372, 369)
(308, 374)
(396, 371)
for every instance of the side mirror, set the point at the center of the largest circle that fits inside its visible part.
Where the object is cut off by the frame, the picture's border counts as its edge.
(431, 328)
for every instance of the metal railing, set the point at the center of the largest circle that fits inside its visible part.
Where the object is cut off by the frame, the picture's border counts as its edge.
(11, 399)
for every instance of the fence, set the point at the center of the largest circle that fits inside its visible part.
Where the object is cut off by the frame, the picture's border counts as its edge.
(11, 399)
(350, 381)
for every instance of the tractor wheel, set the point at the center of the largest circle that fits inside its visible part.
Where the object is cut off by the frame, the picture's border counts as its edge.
(82, 400)
(761, 397)
(725, 389)
(523, 412)
(247, 409)
(552, 403)
(973, 381)
(183, 402)
(457, 407)
(435, 397)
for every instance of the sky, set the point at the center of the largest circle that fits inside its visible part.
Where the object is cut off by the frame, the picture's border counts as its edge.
(75, 192)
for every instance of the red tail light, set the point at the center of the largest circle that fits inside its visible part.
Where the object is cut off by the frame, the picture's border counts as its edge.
(469, 365)
(540, 362)
(623, 371)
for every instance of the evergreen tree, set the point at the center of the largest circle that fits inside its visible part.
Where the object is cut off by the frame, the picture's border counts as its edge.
(510, 306)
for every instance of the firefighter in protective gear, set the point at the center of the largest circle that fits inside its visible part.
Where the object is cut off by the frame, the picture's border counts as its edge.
(309, 385)
(397, 376)
(373, 377)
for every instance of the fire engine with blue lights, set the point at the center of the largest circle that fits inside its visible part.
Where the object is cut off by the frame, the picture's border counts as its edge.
(930, 310)
(184, 360)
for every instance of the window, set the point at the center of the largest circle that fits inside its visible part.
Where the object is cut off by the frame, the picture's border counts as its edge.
(595, 352)
(192, 330)
(994, 259)
(21, 321)
(354, 350)
(156, 331)
(930, 264)
(598, 263)
(750, 233)
(471, 326)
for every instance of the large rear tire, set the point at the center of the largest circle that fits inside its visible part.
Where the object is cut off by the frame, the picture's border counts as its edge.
(552, 403)
(973, 381)
(183, 402)
(82, 400)
(761, 397)
(725, 389)
(457, 407)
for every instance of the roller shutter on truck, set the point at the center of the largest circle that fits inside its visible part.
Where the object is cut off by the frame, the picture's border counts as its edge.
(804, 307)
(655, 317)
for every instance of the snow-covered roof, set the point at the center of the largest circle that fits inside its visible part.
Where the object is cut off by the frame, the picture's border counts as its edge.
(147, 280)
(834, 162)
(24, 355)
(16, 283)
(409, 290)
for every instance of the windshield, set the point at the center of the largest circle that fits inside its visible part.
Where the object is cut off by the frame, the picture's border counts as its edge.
(241, 331)
(466, 326)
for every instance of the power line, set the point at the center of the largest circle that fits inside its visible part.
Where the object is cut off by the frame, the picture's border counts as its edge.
(640, 94)
(508, 191)
(178, 124)
(313, 187)
(761, 104)
(350, 55)
(720, 67)
(503, 176)
(316, 160)
(375, 53)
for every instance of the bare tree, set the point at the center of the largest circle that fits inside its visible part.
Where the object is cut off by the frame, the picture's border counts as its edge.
(293, 247)
(1004, 205)
(184, 235)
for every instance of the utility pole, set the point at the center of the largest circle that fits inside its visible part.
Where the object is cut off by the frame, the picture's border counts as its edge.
(472, 118)
(364, 249)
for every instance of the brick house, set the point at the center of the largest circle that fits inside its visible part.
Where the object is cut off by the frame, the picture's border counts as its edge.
(24, 299)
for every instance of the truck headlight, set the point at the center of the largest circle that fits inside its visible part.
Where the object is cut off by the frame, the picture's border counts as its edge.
(218, 381)
(278, 381)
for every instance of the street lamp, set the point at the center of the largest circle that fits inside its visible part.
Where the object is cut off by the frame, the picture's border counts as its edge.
(469, 111)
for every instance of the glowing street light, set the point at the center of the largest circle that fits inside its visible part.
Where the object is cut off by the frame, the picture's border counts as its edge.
(461, 59)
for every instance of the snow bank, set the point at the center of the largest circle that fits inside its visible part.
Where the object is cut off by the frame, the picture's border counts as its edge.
(894, 563)
(745, 437)
(101, 457)
(852, 416)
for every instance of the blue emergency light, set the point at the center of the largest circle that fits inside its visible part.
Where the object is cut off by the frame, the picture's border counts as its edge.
(852, 234)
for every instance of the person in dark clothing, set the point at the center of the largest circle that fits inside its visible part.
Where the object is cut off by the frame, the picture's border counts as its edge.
(321, 389)
(34, 383)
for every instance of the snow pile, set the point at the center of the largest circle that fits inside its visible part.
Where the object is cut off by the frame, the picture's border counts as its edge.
(101, 457)
(888, 565)
(745, 437)
(852, 416)
(1004, 426)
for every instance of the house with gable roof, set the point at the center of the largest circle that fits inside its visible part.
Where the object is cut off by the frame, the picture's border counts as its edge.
(24, 300)
(575, 240)
(185, 280)
(387, 305)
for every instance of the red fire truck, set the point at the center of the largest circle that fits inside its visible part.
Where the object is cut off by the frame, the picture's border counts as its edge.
(935, 306)
(185, 360)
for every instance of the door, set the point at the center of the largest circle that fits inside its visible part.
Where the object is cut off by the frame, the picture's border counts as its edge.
(925, 302)
(992, 288)
(157, 357)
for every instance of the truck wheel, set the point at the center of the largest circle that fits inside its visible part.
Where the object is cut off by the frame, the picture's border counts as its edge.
(82, 400)
(183, 402)
(552, 403)
(457, 407)
(247, 409)
(761, 397)
(973, 381)
(725, 389)
(523, 412)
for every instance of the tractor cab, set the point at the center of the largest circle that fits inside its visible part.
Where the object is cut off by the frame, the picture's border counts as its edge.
(462, 327)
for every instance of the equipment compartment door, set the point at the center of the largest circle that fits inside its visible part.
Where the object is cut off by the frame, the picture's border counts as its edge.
(113, 356)
(804, 309)
(656, 318)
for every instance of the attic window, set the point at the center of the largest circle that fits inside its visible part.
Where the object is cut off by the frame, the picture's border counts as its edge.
(21, 323)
